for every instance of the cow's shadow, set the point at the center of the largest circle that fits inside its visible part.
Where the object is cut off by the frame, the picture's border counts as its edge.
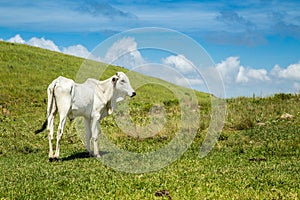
(81, 155)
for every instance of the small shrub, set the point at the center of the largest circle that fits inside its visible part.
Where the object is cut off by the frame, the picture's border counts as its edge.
(244, 124)
(283, 96)
(172, 102)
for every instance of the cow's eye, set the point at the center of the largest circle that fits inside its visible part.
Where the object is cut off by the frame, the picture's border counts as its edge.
(122, 81)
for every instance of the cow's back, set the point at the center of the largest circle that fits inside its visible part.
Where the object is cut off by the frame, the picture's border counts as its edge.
(63, 93)
(64, 85)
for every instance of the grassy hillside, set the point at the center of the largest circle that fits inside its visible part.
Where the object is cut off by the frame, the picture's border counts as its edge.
(256, 157)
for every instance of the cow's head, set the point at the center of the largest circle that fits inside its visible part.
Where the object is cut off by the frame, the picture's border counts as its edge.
(122, 86)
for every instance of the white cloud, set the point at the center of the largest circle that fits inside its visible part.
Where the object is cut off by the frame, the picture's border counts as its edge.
(183, 71)
(77, 50)
(258, 74)
(288, 77)
(124, 52)
(247, 74)
(43, 43)
(233, 72)
(17, 39)
(241, 76)
(179, 62)
(292, 72)
(241, 80)
(229, 69)
(171, 75)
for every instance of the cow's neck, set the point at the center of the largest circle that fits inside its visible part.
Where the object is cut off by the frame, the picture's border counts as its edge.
(110, 95)
(109, 89)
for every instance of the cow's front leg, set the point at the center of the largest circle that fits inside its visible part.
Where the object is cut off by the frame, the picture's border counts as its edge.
(50, 137)
(88, 134)
(95, 133)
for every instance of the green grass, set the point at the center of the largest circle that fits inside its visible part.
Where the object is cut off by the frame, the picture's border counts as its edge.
(248, 162)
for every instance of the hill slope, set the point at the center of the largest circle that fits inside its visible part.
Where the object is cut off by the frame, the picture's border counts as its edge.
(248, 162)
(26, 72)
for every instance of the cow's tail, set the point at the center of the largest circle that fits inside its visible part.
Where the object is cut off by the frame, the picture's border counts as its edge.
(51, 105)
(43, 127)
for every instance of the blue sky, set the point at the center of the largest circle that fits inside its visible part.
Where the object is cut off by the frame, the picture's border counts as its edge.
(254, 44)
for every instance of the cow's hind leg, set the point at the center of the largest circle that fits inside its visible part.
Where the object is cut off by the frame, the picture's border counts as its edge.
(60, 130)
(63, 103)
(50, 128)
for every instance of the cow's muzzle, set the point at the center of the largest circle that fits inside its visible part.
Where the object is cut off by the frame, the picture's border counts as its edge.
(133, 94)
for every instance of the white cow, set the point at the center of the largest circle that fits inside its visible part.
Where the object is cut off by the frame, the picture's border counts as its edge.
(92, 99)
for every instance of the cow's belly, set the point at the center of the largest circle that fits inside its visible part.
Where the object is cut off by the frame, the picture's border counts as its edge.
(78, 109)
(79, 113)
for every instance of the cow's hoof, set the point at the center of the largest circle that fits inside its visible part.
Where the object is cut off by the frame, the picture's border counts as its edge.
(54, 159)
(97, 156)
